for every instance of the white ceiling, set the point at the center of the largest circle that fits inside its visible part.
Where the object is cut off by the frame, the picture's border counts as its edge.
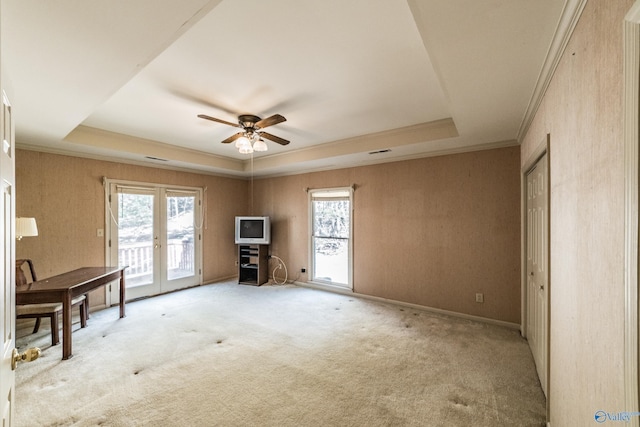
(126, 79)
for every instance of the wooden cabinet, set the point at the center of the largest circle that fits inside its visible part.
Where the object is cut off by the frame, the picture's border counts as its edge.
(253, 264)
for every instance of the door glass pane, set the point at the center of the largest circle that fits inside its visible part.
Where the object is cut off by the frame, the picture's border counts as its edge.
(135, 237)
(180, 236)
(331, 240)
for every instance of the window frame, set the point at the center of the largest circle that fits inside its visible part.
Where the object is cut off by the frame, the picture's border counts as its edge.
(348, 191)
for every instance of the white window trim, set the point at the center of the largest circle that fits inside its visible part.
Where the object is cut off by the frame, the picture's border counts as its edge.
(320, 283)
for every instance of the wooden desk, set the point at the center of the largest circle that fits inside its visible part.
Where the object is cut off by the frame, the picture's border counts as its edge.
(65, 287)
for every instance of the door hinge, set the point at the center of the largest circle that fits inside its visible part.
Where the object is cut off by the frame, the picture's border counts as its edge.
(109, 242)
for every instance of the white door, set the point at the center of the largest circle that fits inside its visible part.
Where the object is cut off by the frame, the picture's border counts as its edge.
(155, 231)
(7, 263)
(135, 239)
(537, 268)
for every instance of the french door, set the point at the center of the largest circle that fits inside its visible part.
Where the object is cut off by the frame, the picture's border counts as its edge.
(155, 231)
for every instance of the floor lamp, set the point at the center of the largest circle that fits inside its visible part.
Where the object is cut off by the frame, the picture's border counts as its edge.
(25, 227)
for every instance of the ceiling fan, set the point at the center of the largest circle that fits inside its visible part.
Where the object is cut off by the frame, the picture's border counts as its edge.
(249, 139)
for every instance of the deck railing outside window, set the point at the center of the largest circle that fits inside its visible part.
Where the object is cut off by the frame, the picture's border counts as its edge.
(139, 257)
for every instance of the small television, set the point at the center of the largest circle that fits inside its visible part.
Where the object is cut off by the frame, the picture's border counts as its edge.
(253, 230)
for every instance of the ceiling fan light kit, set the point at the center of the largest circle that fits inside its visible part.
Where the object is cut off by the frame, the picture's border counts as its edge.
(250, 139)
(246, 149)
(244, 145)
(260, 145)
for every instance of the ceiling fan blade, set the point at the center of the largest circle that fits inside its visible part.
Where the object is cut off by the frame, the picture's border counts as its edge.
(270, 121)
(200, 99)
(274, 138)
(213, 119)
(233, 138)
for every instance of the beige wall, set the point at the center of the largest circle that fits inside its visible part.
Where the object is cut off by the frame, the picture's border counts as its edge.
(66, 196)
(582, 112)
(431, 231)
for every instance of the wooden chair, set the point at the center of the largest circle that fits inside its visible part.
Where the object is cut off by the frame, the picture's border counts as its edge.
(50, 310)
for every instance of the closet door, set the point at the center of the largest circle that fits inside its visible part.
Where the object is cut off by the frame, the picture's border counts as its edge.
(537, 268)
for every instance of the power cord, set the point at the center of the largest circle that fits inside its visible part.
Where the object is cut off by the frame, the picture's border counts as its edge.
(280, 265)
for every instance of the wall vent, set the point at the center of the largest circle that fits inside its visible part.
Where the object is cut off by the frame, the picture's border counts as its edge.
(386, 150)
(156, 158)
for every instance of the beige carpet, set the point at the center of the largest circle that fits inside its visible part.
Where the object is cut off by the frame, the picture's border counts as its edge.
(235, 355)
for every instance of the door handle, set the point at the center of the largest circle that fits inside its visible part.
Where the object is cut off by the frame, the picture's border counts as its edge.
(542, 287)
(28, 356)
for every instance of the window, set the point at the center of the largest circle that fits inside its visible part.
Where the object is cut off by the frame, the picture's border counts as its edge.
(331, 236)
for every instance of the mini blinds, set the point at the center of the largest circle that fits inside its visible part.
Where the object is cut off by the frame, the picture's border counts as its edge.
(330, 194)
(179, 193)
(133, 190)
(146, 190)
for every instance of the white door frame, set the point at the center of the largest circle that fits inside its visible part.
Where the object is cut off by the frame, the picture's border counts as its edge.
(543, 148)
(631, 106)
(7, 260)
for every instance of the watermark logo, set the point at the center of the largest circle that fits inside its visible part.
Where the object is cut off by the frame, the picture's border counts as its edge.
(600, 416)
(603, 416)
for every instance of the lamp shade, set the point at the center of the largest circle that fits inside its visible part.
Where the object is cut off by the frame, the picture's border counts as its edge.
(260, 145)
(26, 227)
(246, 149)
(242, 141)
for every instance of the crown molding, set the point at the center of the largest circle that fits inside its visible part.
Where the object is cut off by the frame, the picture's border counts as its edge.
(423, 132)
(568, 20)
(425, 154)
(102, 139)
(441, 129)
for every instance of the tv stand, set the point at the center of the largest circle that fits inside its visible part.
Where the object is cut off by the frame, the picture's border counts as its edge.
(253, 264)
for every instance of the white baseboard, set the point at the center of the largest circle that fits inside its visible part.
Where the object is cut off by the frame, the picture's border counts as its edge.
(343, 291)
(220, 279)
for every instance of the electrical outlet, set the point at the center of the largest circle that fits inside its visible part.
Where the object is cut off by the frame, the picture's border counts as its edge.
(479, 298)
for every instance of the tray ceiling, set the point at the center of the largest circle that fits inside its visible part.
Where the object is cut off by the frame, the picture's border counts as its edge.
(126, 80)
